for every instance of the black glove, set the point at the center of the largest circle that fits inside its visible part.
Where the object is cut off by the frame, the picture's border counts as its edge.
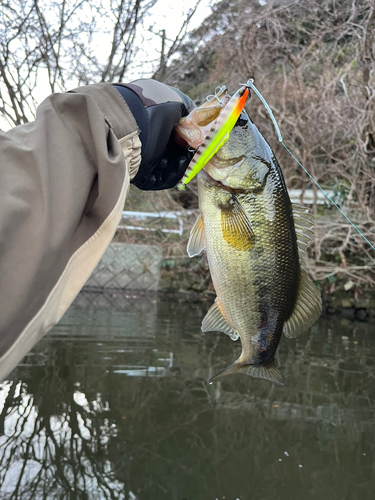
(157, 109)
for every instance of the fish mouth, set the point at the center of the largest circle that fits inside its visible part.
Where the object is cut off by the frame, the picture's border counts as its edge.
(211, 181)
(218, 184)
(207, 176)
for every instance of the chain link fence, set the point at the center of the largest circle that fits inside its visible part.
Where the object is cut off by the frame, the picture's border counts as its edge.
(135, 264)
(127, 266)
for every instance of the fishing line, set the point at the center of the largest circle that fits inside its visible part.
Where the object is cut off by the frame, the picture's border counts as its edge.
(250, 84)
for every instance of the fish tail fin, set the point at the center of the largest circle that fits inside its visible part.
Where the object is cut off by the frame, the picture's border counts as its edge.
(269, 371)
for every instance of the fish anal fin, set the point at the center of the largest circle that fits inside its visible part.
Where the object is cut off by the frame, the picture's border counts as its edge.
(269, 371)
(235, 226)
(215, 320)
(307, 308)
(196, 241)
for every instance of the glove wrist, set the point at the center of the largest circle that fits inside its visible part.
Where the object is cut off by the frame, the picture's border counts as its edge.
(139, 112)
(157, 109)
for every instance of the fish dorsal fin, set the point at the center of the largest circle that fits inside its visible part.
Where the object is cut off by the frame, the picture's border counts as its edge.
(196, 241)
(306, 310)
(235, 226)
(303, 224)
(216, 321)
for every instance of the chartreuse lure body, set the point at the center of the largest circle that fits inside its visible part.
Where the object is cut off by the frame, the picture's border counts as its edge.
(217, 135)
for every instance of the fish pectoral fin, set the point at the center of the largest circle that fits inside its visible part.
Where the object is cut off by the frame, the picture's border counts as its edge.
(216, 321)
(196, 241)
(270, 372)
(307, 308)
(303, 223)
(235, 225)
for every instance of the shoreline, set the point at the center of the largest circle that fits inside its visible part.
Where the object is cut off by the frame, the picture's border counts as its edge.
(332, 306)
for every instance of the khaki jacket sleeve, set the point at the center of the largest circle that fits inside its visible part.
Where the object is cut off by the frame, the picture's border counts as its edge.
(63, 183)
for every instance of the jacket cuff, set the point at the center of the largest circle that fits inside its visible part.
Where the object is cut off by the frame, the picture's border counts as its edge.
(120, 119)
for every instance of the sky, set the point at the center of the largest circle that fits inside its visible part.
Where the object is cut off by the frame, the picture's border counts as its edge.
(166, 14)
(169, 14)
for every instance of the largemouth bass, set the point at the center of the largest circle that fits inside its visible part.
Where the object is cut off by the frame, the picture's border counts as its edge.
(254, 238)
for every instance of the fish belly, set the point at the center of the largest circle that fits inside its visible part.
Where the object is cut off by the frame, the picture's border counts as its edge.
(233, 278)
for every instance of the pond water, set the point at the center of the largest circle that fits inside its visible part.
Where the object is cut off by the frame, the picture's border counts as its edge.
(114, 403)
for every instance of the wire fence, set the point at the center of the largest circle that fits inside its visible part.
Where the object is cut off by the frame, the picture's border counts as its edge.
(133, 265)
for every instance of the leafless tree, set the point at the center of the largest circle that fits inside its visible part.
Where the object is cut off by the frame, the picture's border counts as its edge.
(174, 45)
(314, 62)
(61, 39)
(68, 43)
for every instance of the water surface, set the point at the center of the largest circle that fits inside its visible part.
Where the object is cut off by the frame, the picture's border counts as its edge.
(114, 403)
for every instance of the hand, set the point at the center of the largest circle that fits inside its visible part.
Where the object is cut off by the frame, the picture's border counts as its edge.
(157, 109)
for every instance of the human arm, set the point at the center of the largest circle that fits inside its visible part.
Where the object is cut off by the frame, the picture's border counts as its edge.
(63, 183)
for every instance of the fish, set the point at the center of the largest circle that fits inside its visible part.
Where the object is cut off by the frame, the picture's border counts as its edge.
(255, 240)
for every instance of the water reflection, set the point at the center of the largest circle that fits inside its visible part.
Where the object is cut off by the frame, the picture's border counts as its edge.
(114, 404)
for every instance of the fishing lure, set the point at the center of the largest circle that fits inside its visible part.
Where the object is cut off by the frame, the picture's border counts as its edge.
(217, 135)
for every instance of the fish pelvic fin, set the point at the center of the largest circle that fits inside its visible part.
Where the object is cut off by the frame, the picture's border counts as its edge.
(215, 320)
(269, 371)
